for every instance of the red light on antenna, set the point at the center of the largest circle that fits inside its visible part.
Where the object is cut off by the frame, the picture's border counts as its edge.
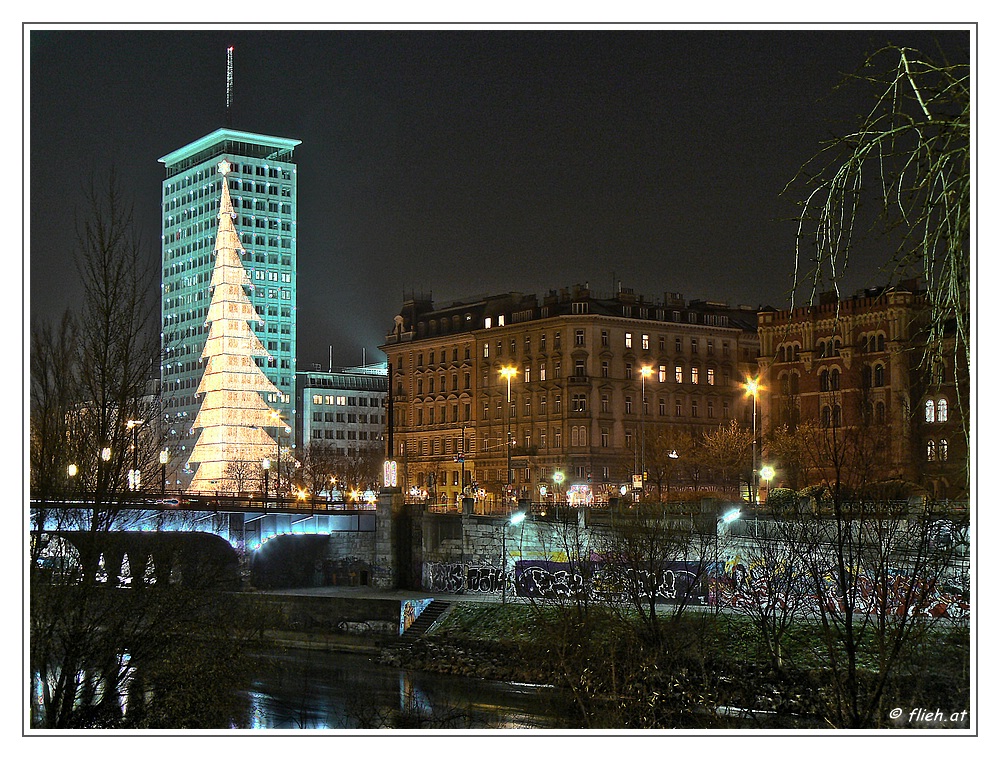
(229, 49)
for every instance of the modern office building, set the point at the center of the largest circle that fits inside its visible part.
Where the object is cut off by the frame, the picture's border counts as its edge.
(343, 408)
(515, 396)
(263, 187)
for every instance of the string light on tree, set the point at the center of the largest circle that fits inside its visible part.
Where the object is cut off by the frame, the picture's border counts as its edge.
(233, 412)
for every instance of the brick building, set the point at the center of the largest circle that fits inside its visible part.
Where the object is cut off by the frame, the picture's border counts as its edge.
(522, 387)
(859, 364)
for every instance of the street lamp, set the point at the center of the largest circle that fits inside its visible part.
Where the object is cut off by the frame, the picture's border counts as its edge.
(725, 519)
(753, 387)
(645, 372)
(276, 418)
(767, 474)
(557, 480)
(515, 519)
(133, 475)
(164, 457)
(507, 372)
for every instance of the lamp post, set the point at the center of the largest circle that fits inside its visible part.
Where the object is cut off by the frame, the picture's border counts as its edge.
(645, 372)
(133, 475)
(752, 388)
(515, 519)
(766, 474)
(507, 372)
(725, 519)
(276, 418)
(164, 457)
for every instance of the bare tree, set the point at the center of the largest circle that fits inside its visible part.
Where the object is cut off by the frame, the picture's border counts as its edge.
(874, 569)
(91, 644)
(907, 165)
(242, 476)
(727, 451)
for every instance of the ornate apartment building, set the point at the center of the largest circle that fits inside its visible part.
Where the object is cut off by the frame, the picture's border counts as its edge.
(859, 365)
(557, 395)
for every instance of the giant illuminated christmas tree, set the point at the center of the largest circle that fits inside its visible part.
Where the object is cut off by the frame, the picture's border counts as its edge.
(233, 414)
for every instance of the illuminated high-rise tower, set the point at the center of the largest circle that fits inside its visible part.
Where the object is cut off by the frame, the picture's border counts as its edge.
(262, 184)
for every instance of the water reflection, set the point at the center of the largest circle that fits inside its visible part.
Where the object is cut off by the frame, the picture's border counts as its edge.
(317, 690)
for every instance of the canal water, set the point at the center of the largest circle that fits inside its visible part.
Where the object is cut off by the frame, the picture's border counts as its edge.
(319, 690)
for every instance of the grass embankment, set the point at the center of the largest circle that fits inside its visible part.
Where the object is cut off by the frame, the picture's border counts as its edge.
(619, 672)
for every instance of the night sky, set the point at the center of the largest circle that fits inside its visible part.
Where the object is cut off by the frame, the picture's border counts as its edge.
(457, 163)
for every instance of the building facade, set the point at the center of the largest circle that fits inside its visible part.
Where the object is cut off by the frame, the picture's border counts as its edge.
(343, 408)
(516, 396)
(262, 183)
(858, 368)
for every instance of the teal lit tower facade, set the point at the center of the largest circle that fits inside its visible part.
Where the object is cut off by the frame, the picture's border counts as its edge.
(263, 187)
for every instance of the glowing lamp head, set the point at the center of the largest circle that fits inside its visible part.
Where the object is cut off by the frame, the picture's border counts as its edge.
(753, 386)
(106, 454)
(767, 473)
(646, 371)
(164, 456)
(508, 372)
(71, 470)
(730, 516)
(518, 517)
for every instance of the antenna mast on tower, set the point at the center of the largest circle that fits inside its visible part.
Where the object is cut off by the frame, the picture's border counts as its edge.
(229, 86)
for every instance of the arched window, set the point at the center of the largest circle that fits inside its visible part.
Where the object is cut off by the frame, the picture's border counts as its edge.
(880, 343)
(879, 375)
(836, 416)
(795, 351)
(942, 410)
(836, 347)
(785, 388)
(821, 348)
(943, 450)
(880, 412)
(931, 452)
(929, 411)
(863, 343)
(794, 384)
(866, 376)
(826, 417)
(835, 379)
(824, 380)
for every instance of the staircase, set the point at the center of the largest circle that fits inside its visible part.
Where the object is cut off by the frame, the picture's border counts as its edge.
(423, 623)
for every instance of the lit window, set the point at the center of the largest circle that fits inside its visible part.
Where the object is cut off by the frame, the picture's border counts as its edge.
(942, 410)
(645, 342)
(929, 411)
(628, 339)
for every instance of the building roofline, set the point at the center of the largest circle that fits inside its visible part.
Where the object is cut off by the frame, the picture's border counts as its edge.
(220, 135)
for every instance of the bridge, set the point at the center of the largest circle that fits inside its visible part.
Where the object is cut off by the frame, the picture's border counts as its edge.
(246, 521)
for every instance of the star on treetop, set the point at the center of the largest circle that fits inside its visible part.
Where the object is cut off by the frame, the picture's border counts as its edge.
(225, 167)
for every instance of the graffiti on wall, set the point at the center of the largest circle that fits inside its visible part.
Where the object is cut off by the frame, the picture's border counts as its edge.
(409, 610)
(464, 578)
(731, 584)
(764, 586)
(565, 580)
